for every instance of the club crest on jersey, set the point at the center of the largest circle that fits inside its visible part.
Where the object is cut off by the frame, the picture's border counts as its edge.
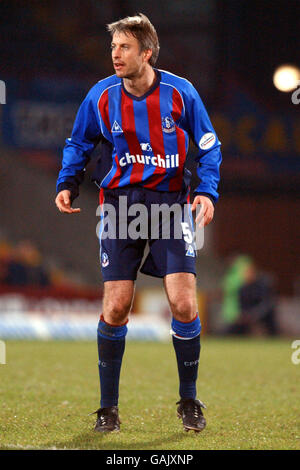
(116, 127)
(104, 260)
(168, 124)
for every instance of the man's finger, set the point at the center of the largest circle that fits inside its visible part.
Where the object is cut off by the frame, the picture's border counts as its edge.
(207, 218)
(202, 212)
(194, 205)
(70, 210)
(65, 210)
(62, 207)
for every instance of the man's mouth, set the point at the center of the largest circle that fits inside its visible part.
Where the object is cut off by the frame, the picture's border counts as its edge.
(118, 65)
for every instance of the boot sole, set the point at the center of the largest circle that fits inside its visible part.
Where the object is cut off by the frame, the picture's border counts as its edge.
(106, 430)
(189, 428)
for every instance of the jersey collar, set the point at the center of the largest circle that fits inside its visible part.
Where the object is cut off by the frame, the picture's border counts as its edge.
(154, 86)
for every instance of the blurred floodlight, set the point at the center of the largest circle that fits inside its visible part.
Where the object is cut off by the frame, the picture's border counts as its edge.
(286, 77)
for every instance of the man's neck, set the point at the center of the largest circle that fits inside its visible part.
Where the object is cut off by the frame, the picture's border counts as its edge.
(139, 85)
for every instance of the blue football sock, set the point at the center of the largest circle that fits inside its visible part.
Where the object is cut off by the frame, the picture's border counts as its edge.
(111, 345)
(186, 342)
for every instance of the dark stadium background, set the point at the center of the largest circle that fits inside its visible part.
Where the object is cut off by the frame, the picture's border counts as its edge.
(51, 53)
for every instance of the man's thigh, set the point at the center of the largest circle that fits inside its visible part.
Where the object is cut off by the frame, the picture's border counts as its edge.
(169, 256)
(171, 246)
(120, 259)
(120, 255)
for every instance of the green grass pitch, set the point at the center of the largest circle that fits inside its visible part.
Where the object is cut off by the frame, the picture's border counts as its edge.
(250, 387)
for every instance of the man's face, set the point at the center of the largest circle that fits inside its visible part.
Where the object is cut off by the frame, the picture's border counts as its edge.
(128, 60)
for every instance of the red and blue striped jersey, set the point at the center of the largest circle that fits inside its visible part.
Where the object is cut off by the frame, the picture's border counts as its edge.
(148, 136)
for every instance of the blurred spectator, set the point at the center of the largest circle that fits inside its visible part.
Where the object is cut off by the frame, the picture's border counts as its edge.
(231, 284)
(25, 267)
(255, 302)
(22, 265)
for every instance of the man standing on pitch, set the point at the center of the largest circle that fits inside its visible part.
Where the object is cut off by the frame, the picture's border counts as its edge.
(144, 118)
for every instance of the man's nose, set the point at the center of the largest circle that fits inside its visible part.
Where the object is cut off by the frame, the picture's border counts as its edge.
(116, 52)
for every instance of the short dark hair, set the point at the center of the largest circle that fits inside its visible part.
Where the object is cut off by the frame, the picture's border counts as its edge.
(142, 29)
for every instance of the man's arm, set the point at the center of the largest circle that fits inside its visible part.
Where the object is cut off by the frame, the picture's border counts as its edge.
(76, 155)
(209, 157)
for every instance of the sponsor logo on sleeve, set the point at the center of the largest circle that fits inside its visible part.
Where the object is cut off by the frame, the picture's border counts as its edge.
(207, 141)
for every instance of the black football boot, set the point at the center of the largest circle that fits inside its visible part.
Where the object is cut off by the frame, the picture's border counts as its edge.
(189, 410)
(107, 419)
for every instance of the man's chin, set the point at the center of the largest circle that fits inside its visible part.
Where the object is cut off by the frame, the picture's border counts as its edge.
(120, 73)
(125, 74)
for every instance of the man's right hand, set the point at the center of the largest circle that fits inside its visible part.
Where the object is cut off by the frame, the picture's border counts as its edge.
(63, 202)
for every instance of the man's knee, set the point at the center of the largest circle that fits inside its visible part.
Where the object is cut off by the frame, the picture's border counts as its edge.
(117, 301)
(183, 308)
(116, 311)
(116, 308)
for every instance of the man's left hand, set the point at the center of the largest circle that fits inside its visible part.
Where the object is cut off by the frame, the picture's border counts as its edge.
(206, 213)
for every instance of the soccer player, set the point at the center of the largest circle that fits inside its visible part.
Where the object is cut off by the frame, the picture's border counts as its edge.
(144, 118)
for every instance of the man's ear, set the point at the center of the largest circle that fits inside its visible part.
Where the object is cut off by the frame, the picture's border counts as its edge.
(147, 55)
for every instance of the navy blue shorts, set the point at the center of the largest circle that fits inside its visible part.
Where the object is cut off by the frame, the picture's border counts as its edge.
(121, 257)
